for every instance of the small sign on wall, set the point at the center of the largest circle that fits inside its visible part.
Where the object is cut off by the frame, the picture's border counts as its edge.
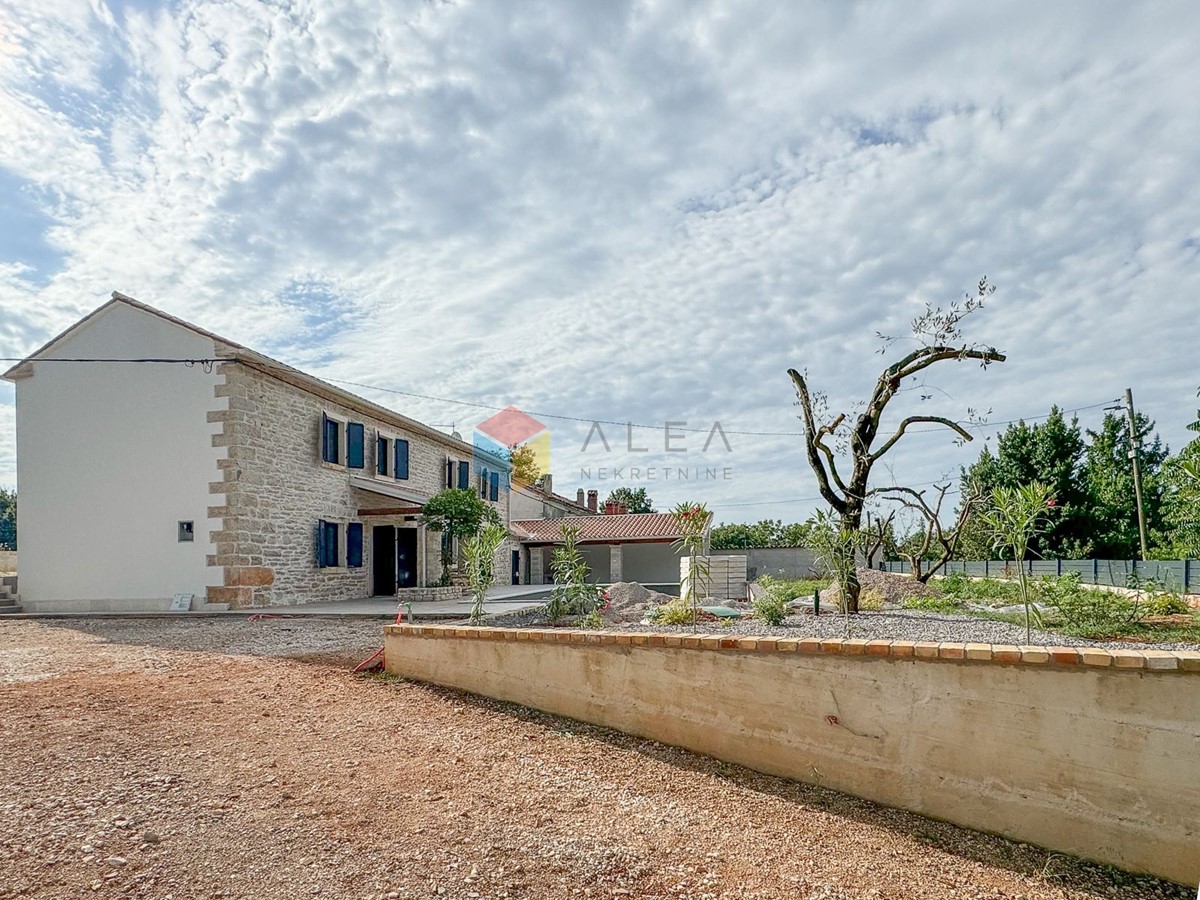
(181, 602)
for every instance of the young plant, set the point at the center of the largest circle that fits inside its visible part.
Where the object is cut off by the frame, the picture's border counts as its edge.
(771, 608)
(571, 595)
(479, 553)
(692, 520)
(1016, 517)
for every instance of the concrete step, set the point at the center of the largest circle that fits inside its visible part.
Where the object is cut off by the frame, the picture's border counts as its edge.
(10, 605)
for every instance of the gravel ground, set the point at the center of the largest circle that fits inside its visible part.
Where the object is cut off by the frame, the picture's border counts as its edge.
(199, 759)
(898, 625)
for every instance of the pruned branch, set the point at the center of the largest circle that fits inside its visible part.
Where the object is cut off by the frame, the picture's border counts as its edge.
(913, 420)
(813, 445)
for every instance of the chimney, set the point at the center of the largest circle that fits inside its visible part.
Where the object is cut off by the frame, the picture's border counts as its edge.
(579, 497)
(548, 483)
(622, 509)
(593, 498)
(610, 507)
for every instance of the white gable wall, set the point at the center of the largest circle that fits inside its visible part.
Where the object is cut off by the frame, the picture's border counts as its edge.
(110, 457)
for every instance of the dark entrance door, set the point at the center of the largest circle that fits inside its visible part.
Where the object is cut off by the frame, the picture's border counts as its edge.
(383, 560)
(516, 567)
(406, 557)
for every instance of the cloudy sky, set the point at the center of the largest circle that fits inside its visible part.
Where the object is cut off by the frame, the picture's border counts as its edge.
(624, 211)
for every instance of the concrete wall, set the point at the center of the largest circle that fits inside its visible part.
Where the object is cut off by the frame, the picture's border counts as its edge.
(1090, 753)
(649, 563)
(110, 457)
(781, 562)
(8, 560)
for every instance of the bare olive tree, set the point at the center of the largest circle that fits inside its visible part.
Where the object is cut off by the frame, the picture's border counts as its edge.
(938, 333)
(933, 535)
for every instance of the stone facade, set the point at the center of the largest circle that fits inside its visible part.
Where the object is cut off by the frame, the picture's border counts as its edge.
(274, 488)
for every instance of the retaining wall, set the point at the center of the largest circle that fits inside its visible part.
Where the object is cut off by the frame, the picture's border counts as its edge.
(8, 560)
(1083, 751)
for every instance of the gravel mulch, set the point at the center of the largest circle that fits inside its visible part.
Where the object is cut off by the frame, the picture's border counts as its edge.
(167, 759)
(896, 625)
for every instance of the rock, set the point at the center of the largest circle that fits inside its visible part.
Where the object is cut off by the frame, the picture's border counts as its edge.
(115, 861)
(151, 837)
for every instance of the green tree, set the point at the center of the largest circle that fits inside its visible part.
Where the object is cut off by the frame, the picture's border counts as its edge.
(798, 534)
(8, 519)
(456, 513)
(1051, 453)
(1178, 536)
(525, 468)
(740, 535)
(635, 501)
(1107, 478)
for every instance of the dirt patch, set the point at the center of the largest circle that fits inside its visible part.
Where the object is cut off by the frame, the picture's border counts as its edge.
(629, 601)
(164, 768)
(893, 589)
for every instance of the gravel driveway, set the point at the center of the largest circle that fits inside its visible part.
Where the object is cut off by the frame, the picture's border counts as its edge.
(227, 758)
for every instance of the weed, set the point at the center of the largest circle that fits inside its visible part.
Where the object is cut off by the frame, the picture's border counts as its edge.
(771, 608)
(677, 612)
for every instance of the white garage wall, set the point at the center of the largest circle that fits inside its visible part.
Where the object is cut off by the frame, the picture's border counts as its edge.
(110, 457)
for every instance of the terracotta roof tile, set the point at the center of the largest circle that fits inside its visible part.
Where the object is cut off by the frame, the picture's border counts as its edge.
(592, 529)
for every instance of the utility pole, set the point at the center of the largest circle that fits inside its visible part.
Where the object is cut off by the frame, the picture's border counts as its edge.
(1134, 446)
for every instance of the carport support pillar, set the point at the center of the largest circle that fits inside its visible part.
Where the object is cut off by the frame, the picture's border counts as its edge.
(614, 563)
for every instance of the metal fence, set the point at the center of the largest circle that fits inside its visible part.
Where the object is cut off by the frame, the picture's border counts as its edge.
(1175, 574)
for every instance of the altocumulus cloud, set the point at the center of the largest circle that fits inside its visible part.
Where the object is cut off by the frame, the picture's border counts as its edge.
(631, 211)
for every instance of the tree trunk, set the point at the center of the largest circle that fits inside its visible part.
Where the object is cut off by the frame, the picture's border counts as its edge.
(851, 522)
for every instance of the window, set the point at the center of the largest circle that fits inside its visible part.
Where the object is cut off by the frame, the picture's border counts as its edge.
(464, 474)
(354, 545)
(356, 438)
(328, 555)
(450, 473)
(381, 455)
(331, 440)
(494, 487)
(186, 532)
(401, 458)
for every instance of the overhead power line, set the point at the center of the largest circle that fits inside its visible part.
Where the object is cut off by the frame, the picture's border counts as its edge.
(207, 364)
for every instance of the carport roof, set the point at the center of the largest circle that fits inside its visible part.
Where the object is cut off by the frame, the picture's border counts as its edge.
(607, 529)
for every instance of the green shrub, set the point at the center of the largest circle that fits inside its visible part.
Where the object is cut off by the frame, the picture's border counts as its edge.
(1086, 610)
(677, 612)
(1166, 603)
(934, 604)
(993, 590)
(771, 608)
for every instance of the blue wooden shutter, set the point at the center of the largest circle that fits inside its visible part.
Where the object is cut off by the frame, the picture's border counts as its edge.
(321, 544)
(494, 493)
(329, 439)
(401, 458)
(449, 473)
(354, 545)
(464, 474)
(381, 455)
(356, 438)
(483, 484)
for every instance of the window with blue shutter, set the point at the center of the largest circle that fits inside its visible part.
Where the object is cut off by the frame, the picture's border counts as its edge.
(401, 458)
(483, 484)
(354, 545)
(331, 439)
(381, 455)
(327, 545)
(494, 492)
(356, 438)
(464, 474)
(449, 473)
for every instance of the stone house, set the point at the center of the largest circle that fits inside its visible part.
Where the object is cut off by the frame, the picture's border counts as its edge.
(232, 477)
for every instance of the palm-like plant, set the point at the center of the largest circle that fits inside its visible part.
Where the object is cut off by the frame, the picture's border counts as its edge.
(479, 554)
(1016, 517)
(692, 521)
